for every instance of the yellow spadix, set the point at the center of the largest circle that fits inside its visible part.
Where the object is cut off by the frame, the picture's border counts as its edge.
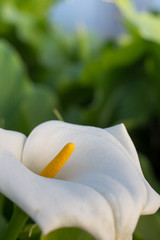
(57, 163)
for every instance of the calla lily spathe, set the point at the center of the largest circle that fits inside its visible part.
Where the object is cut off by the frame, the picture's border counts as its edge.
(101, 188)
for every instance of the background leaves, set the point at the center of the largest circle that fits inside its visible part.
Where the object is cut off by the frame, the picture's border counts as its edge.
(23, 104)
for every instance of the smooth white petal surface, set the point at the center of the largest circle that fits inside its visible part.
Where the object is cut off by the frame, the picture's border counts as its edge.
(120, 133)
(12, 141)
(53, 203)
(102, 161)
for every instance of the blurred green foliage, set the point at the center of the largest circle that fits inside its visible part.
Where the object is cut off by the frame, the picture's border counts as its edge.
(88, 81)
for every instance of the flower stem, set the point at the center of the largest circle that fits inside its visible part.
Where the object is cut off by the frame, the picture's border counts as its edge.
(15, 225)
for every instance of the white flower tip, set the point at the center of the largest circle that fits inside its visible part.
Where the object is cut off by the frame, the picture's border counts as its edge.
(12, 141)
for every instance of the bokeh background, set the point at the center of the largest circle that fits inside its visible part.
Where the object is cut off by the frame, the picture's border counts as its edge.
(93, 63)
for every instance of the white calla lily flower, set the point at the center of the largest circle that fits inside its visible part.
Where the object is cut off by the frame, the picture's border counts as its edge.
(100, 189)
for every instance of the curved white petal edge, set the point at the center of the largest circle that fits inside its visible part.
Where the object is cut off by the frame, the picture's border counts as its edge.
(101, 188)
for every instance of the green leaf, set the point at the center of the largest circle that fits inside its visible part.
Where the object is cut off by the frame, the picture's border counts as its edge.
(36, 107)
(12, 79)
(3, 224)
(125, 103)
(145, 24)
(137, 237)
(15, 224)
(23, 104)
(68, 234)
(111, 58)
(2, 202)
(37, 8)
(148, 172)
(149, 227)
